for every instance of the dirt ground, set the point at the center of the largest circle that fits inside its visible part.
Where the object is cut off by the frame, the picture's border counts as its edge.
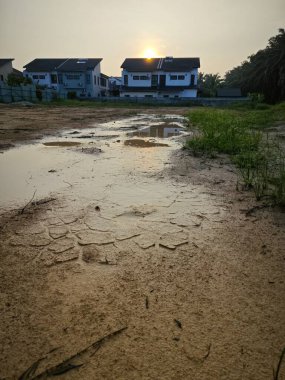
(185, 282)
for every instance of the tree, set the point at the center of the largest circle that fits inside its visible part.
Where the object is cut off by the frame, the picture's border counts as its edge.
(208, 84)
(262, 72)
(16, 80)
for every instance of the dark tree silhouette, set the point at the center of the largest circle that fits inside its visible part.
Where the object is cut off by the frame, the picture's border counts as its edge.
(262, 72)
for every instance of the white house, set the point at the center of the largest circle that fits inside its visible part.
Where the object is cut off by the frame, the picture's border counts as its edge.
(68, 75)
(160, 77)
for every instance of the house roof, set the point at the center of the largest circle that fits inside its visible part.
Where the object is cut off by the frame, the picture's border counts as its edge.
(161, 64)
(3, 61)
(104, 76)
(79, 64)
(62, 64)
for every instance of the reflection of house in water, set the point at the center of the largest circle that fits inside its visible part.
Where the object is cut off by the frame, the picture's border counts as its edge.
(162, 131)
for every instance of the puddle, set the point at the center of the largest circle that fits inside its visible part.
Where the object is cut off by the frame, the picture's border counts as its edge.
(143, 143)
(100, 167)
(165, 130)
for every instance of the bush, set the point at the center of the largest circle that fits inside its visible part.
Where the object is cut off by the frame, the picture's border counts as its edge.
(39, 94)
(71, 95)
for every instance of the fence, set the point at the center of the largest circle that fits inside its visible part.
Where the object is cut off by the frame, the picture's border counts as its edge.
(30, 93)
(10, 94)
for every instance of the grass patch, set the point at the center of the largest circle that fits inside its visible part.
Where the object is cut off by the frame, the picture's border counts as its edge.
(241, 133)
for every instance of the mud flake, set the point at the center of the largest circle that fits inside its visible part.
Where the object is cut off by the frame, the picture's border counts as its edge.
(51, 259)
(68, 219)
(99, 224)
(39, 241)
(62, 245)
(58, 231)
(17, 242)
(172, 241)
(55, 221)
(91, 237)
(31, 230)
(146, 241)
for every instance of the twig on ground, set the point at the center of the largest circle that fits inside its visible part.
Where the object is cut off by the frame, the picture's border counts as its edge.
(30, 201)
(67, 365)
(276, 374)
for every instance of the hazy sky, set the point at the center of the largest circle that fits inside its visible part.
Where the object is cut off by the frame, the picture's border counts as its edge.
(221, 32)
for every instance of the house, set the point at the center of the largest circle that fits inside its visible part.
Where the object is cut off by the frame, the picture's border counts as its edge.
(80, 76)
(115, 84)
(160, 77)
(229, 92)
(6, 68)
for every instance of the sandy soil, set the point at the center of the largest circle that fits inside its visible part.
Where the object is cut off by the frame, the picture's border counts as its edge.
(186, 284)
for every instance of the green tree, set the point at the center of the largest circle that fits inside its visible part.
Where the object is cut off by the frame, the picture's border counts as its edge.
(17, 80)
(262, 72)
(208, 84)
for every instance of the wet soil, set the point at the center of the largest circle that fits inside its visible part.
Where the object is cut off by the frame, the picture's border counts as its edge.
(135, 263)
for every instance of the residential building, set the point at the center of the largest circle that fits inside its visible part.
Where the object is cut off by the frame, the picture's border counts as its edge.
(115, 84)
(160, 77)
(79, 76)
(6, 68)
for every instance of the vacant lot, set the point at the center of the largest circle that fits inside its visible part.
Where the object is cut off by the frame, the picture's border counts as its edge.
(124, 257)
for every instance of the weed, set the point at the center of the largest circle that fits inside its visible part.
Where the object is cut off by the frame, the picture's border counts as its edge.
(240, 133)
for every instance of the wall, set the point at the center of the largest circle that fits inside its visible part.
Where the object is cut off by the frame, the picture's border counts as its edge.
(169, 82)
(5, 70)
(42, 82)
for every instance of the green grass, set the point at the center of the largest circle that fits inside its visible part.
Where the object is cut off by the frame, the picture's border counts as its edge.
(241, 133)
(106, 103)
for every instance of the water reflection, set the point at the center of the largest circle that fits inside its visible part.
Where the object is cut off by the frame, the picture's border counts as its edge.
(162, 131)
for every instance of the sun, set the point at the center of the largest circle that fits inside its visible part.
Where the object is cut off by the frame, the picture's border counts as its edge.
(149, 53)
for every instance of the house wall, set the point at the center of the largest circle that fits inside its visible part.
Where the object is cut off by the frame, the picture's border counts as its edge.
(46, 81)
(137, 83)
(5, 70)
(189, 93)
(168, 81)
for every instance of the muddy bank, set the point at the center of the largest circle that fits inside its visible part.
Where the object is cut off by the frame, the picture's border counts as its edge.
(150, 242)
(18, 124)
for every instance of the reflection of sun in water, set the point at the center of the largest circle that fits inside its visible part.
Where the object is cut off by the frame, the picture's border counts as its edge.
(149, 53)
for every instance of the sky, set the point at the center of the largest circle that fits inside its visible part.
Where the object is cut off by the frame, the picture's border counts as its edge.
(223, 33)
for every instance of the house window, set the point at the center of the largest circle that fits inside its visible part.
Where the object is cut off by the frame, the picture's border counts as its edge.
(154, 80)
(53, 78)
(35, 77)
(103, 82)
(94, 79)
(88, 79)
(2, 78)
(148, 96)
(140, 77)
(192, 83)
(42, 77)
(166, 96)
(59, 78)
(177, 77)
(72, 76)
(127, 96)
